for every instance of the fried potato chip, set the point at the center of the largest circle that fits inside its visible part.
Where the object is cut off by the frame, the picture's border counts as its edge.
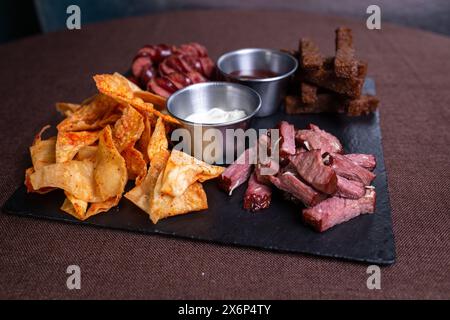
(43, 151)
(69, 143)
(152, 98)
(144, 141)
(158, 141)
(128, 129)
(110, 173)
(67, 109)
(121, 89)
(163, 205)
(182, 170)
(87, 153)
(104, 206)
(75, 177)
(75, 207)
(98, 112)
(141, 194)
(136, 166)
(29, 186)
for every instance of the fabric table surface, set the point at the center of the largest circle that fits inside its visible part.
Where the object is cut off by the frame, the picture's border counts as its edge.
(412, 72)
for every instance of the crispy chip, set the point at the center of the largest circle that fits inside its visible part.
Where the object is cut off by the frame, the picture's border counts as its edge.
(144, 141)
(110, 172)
(152, 98)
(141, 194)
(75, 177)
(43, 151)
(98, 112)
(69, 143)
(104, 206)
(75, 207)
(121, 89)
(128, 129)
(29, 186)
(158, 140)
(87, 153)
(182, 170)
(163, 205)
(67, 109)
(136, 166)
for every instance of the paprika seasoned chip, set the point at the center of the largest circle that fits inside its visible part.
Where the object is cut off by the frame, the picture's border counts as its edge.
(158, 140)
(110, 173)
(75, 207)
(43, 151)
(136, 166)
(128, 129)
(182, 170)
(69, 143)
(104, 206)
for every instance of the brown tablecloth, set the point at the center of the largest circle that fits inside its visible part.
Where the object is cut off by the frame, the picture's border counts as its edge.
(412, 71)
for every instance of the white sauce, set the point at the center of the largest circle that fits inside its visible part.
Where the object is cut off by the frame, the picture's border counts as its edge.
(216, 115)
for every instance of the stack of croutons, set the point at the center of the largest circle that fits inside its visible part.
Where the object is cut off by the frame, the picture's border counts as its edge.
(333, 84)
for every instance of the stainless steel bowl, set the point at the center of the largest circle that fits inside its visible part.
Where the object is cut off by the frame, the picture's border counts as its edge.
(272, 90)
(205, 96)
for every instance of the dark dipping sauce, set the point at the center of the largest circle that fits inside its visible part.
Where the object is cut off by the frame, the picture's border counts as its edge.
(253, 74)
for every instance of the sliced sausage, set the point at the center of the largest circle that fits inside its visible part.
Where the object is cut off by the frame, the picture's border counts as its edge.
(155, 88)
(207, 66)
(139, 64)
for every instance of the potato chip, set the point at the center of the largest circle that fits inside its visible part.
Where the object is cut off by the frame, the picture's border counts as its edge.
(104, 206)
(163, 205)
(75, 207)
(128, 129)
(110, 173)
(121, 89)
(158, 140)
(75, 177)
(69, 143)
(43, 151)
(136, 166)
(87, 153)
(141, 194)
(99, 111)
(29, 186)
(152, 98)
(144, 141)
(182, 170)
(67, 109)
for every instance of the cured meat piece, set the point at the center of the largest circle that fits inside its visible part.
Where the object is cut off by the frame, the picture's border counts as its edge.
(311, 168)
(367, 161)
(201, 50)
(290, 183)
(139, 64)
(165, 69)
(349, 189)
(196, 77)
(310, 57)
(264, 171)
(334, 211)
(194, 62)
(345, 64)
(154, 87)
(147, 74)
(287, 133)
(257, 196)
(346, 168)
(238, 172)
(166, 84)
(207, 66)
(317, 139)
(163, 51)
(175, 63)
(179, 80)
(188, 49)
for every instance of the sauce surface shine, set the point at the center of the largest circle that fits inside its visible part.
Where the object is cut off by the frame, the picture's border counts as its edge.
(253, 74)
(216, 115)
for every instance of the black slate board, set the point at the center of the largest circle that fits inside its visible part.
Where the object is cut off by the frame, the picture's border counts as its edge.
(367, 238)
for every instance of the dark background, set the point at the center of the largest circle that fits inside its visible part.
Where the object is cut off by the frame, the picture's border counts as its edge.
(19, 18)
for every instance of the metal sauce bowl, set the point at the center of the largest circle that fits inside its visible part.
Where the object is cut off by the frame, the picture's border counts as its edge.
(205, 96)
(272, 90)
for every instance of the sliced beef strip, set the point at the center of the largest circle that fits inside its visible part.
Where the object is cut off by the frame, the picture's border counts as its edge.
(346, 168)
(257, 195)
(287, 133)
(311, 168)
(335, 210)
(349, 189)
(367, 161)
(238, 172)
(291, 184)
(318, 139)
(263, 171)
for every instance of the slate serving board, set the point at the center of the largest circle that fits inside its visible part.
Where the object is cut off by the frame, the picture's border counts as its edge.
(367, 238)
